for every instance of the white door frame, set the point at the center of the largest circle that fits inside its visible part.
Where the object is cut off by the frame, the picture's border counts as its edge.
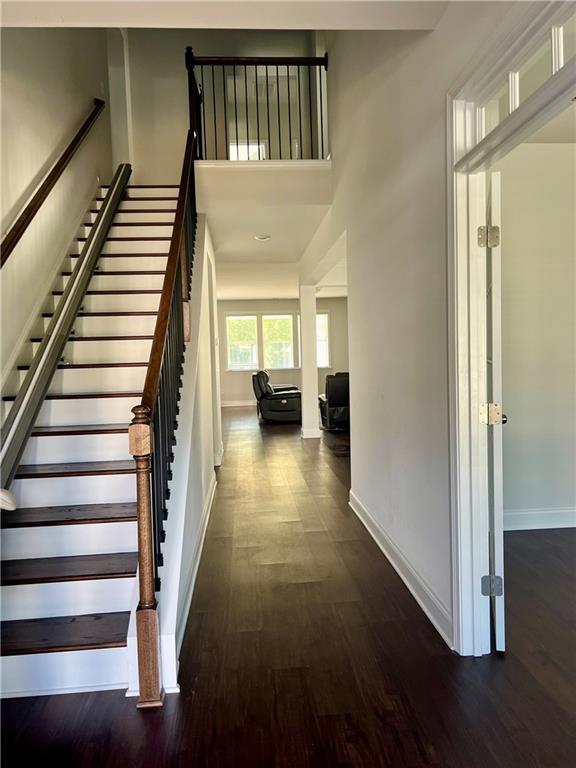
(468, 160)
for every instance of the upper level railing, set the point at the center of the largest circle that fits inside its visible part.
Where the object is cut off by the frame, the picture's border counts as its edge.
(260, 108)
(25, 218)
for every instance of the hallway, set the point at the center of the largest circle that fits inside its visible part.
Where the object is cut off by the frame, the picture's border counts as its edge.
(303, 648)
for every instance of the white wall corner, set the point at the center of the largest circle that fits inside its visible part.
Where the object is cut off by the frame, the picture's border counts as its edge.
(434, 608)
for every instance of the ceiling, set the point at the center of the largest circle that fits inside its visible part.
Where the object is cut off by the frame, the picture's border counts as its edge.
(560, 130)
(290, 227)
(224, 14)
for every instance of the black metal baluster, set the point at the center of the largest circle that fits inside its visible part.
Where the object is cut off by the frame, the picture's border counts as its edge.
(321, 113)
(310, 103)
(278, 103)
(289, 109)
(235, 109)
(247, 118)
(203, 127)
(225, 96)
(299, 114)
(268, 114)
(215, 119)
(257, 108)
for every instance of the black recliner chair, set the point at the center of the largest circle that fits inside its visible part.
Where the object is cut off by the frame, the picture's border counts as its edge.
(276, 403)
(335, 404)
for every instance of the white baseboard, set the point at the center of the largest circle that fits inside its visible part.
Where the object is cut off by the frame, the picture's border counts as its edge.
(238, 403)
(196, 555)
(532, 519)
(433, 607)
(315, 432)
(218, 456)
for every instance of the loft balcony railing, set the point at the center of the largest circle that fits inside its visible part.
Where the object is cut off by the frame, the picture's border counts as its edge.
(262, 108)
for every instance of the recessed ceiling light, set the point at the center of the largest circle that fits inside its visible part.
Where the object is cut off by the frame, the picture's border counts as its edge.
(262, 238)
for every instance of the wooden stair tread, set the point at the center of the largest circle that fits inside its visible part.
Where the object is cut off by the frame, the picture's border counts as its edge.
(134, 224)
(79, 395)
(77, 468)
(64, 633)
(74, 366)
(147, 238)
(38, 339)
(142, 210)
(129, 199)
(79, 429)
(119, 292)
(116, 272)
(136, 313)
(45, 570)
(33, 517)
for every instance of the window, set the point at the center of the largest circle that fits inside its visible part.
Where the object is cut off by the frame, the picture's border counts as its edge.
(242, 337)
(278, 341)
(322, 341)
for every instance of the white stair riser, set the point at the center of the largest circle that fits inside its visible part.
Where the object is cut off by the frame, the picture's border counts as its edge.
(102, 410)
(67, 598)
(143, 192)
(122, 302)
(74, 380)
(128, 263)
(110, 326)
(120, 351)
(140, 204)
(48, 673)
(69, 540)
(135, 282)
(57, 491)
(127, 246)
(138, 217)
(134, 230)
(70, 448)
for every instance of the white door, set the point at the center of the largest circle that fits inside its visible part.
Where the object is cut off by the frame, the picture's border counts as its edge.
(497, 417)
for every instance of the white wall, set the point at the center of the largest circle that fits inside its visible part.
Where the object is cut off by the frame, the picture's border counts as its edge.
(160, 87)
(50, 78)
(539, 334)
(236, 386)
(387, 100)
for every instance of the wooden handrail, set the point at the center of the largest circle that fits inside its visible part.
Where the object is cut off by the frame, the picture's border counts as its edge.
(152, 381)
(295, 61)
(24, 219)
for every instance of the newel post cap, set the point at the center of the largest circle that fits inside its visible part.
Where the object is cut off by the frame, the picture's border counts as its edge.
(140, 432)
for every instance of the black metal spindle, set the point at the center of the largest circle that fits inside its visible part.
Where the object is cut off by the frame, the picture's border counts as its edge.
(268, 114)
(215, 118)
(235, 108)
(321, 114)
(204, 126)
(278, 103)
(289, 110)
(299, 114)
(310, 106)
(257, 108)
(225, 97)
(247, 118)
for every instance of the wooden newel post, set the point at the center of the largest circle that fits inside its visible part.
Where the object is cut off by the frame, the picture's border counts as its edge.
(147, 628)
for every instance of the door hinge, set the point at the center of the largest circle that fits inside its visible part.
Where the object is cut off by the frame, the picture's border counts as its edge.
(492, 586)
(490, 413)
(489, 237)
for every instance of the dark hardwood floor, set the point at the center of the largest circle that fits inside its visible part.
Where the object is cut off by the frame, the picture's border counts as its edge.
(303, 647)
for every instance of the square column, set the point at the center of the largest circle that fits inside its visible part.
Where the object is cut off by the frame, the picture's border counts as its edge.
(308, 362)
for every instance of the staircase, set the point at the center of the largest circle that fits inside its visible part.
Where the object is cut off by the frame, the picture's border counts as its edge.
(69, 552)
